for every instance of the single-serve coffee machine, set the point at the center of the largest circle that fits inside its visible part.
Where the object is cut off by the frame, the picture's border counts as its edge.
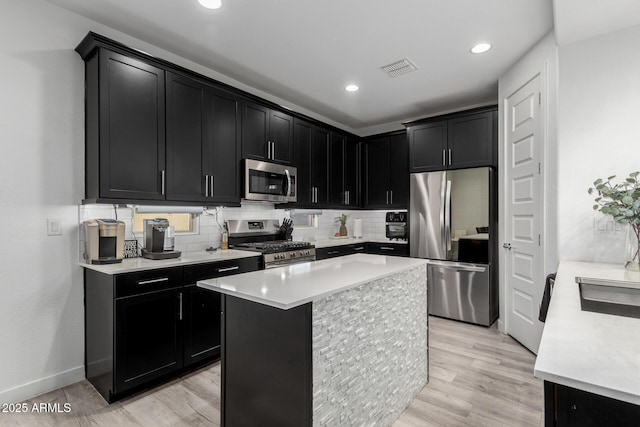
(104, 241)
(158, 240)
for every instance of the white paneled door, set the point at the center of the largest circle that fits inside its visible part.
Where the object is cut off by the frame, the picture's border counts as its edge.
(523, 208)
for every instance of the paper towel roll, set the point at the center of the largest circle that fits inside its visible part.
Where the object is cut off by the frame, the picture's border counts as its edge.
(357, 227)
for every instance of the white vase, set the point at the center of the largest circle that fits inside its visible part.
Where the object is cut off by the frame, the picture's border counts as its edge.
(632, 249)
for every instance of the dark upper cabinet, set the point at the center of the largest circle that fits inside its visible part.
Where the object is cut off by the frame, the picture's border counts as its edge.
(203, 136)
(311, 157)
(266, 134)
(343, 171)
(125, 128)
(461, 140)
(386, 175)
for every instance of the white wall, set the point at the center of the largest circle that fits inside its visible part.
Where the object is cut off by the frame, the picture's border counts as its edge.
(598, 135)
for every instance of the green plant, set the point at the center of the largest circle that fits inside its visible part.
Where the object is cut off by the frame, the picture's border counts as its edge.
(342, 219)
(622, 201)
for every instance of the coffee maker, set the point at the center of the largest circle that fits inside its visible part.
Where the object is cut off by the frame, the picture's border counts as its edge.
(104, 241)
(156, 236)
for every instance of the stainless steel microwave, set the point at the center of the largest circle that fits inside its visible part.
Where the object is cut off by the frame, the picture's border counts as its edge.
(269, 181)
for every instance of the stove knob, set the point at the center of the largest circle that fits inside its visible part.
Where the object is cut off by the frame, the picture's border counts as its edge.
(293, 254)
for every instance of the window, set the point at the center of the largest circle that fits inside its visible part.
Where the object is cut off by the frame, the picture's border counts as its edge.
(181, 222)
(304, 220)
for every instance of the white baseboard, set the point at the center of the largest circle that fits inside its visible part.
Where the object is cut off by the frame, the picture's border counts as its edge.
(41, 386)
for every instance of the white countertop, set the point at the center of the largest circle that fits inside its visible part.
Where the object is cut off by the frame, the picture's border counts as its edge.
(598, 353)
(138, 264)
(291, 286)
(326, 243)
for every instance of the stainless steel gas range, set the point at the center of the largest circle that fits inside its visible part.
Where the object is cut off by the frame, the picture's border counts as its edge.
(266, 237)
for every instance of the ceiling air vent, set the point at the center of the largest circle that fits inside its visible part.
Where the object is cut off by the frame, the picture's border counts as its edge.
(399, 68)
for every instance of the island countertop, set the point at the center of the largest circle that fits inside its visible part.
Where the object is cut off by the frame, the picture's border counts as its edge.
(594, 352)
(294, 285)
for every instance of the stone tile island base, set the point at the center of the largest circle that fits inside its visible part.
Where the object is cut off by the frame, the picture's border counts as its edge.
(370, 351)
(356, 357)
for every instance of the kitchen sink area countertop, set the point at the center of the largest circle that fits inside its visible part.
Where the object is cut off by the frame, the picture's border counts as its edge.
(291, 286)
(594, 352)
(140, 264)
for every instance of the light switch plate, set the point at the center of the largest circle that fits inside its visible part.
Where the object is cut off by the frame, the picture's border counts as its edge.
(54, 227)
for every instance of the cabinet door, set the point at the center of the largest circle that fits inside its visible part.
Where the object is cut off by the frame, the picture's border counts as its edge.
(303, 137)
(471, 140)
(394, 249)
(281, 137)
(201, 324)
(186, 120)
(222, 150)
(337, 195)
(428, 147)
(352, 172)
(377, 173)
(398, 171)
(255, 131)
(320, 165)
(148, 337)
(132, 128)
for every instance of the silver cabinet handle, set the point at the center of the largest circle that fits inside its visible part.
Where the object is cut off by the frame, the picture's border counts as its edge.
(222, 270)
(268, 150)
(273, 150)
(332, 252)
(348, 197)
(391, 196)
(387, 248)
(211, 185)
(449, 156)
(162, 178)
(444, 157)
(180, 305)
(206, 186)
(148, 282)
(387, 196)
(361, 248)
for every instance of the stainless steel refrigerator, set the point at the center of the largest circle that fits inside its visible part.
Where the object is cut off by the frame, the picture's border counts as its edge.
(452, 223)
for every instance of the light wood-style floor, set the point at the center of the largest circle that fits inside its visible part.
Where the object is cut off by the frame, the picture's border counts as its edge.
(477, 377)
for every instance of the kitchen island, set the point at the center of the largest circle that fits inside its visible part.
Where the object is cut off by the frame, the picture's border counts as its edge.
(590, 361)
(341, 341)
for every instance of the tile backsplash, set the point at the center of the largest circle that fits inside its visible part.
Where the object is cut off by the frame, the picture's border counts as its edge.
(208, 232)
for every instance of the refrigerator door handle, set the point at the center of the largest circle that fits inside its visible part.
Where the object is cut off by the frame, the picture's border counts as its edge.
(447, 216)
(443, 214)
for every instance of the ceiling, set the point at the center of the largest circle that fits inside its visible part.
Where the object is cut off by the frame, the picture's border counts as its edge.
(306, 52)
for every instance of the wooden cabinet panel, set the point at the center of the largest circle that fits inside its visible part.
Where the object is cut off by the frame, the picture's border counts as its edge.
(351, 172)
(320, 165)
(311, 153)
(266, 134)
(398, 171)
(471, 140)
(131, 136)
(343, 171)
(456, 141)
(377, 173)
(428, 145)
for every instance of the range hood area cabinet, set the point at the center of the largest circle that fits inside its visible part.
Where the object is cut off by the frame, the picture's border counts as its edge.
(455, 141)
(386, 171)
(311, 156)
(266, 134)
(130, 99)
(344, 171)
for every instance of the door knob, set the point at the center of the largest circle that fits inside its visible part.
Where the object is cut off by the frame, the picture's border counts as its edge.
(506, 246)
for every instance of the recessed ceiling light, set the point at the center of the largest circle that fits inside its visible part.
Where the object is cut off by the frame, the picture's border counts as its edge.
(481, 48)
(351, 88)
(210, 4)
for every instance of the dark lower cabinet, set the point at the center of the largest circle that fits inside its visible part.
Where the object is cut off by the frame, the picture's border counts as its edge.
(394, 249)
(145, 327)
(566, 406)
(148, 339)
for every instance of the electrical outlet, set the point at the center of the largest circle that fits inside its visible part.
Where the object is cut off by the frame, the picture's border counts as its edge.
(54, 227)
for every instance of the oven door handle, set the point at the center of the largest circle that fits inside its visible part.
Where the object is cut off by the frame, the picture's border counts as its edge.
(286, 172)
